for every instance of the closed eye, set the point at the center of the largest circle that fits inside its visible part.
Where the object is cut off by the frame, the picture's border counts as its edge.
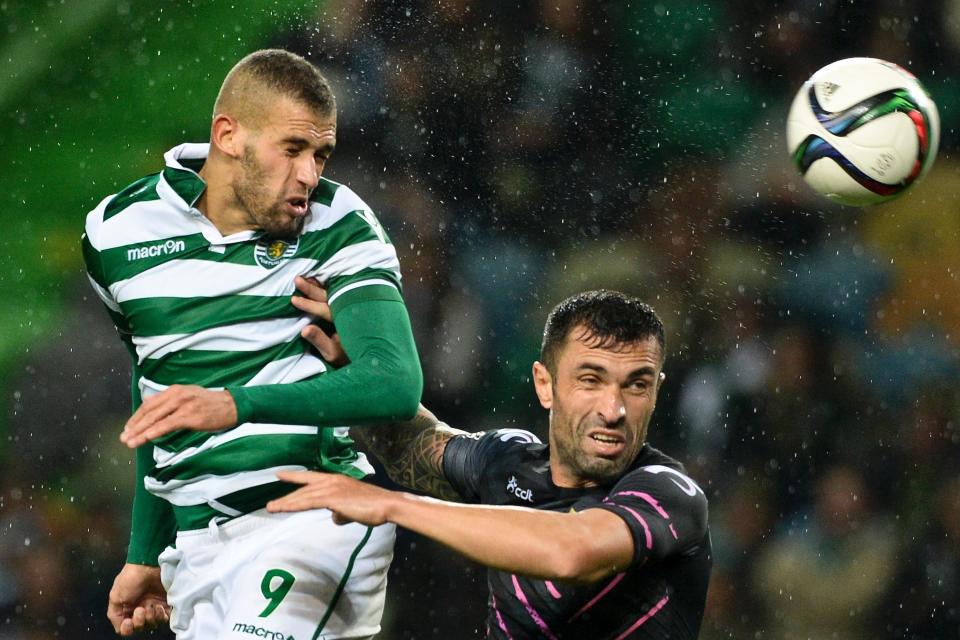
(638, 386)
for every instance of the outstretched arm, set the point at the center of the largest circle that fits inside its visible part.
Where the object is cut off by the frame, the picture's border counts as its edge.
(579, 547)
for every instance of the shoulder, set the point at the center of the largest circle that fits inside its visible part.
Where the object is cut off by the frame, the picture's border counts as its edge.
(496, 440)
(330, 193)
(470, 458)
(331, 202)
(142, 190)
(669, 478)
(132, 215)
(661, 482)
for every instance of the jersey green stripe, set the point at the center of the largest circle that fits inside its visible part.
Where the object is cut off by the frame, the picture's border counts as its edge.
(337, 452)
(246, 500)
(143, 190)
(217, 368)
(92, 258)
(324, 192)
(330, 452)
(322, 244)
(164, 316)
(183, 439)
(376, 293)
(187, 184)
(246, 454)
(124, 262)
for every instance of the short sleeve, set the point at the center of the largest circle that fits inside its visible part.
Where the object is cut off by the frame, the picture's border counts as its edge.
(665, 510)
(466, 457)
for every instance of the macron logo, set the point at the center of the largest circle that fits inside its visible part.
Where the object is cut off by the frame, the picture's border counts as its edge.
(260, 632)
(165, 248)
(514, 488)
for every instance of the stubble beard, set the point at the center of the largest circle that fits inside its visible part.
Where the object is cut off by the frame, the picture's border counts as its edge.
(266, 214)
(583, 466)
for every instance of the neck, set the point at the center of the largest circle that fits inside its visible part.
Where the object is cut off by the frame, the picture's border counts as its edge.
(564, 478)
(218, 201)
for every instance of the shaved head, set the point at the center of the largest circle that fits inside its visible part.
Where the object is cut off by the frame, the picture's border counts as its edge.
(255, 83)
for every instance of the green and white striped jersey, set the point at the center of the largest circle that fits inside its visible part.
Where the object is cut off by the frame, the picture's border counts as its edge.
(195, 307)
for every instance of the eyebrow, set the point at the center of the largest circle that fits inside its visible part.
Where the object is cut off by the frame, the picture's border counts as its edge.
(298, 141)
(636, 373)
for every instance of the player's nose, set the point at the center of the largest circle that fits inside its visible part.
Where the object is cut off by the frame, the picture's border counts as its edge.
(308, 173)
(612, 407)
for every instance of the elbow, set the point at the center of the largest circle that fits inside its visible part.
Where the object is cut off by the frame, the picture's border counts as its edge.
(407, 400)
(577, 564)
(400, 393)
(407, 391)
(582, 561)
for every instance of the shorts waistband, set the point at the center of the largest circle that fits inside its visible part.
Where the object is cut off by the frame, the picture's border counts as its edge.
(244, 525)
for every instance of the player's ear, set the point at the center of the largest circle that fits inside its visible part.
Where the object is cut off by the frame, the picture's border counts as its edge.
(225, 134)
(543, 383)
(660, 378)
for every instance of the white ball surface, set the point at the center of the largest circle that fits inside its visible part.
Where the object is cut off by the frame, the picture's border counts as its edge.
(862, 131)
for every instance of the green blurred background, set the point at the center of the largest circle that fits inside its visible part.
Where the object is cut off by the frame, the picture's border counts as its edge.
(91, 95)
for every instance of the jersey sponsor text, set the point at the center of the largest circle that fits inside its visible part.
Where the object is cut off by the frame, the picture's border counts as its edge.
(162, 249)
(261, 632)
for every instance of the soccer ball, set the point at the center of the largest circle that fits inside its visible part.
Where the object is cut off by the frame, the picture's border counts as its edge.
(862, 130)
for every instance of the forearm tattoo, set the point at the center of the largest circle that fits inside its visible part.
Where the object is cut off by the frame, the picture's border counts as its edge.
(411, 452)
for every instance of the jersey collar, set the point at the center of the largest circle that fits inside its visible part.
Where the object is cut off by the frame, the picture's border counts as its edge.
(181, 186)
(181, 175)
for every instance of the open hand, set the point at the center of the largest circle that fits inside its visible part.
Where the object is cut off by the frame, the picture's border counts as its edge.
(180, 407)
(350, 500)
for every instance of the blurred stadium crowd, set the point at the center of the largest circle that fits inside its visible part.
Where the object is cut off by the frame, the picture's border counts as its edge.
(517, 156)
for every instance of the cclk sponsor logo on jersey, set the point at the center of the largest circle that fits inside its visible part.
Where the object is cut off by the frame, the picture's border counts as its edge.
(514, 488)
(261, 632)
(154, 250)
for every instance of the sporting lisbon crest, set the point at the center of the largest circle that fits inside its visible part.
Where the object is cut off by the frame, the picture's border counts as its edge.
(269, 253)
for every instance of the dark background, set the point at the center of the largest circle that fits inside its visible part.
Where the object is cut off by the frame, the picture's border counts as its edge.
(517, 153)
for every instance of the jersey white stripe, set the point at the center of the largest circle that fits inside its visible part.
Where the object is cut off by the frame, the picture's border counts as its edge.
(289, 369)
(104, 295)
(94, 222)
(371, 254)
(357, 285)
(144, 222)
(208, 279)
(167, 458)
(282, 371)
(203, 489)
(246, 336)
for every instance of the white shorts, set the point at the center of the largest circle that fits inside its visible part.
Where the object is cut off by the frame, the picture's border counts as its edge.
(280, 576)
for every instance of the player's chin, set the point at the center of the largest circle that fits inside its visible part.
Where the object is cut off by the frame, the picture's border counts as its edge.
(284, 228)
(603, 469)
